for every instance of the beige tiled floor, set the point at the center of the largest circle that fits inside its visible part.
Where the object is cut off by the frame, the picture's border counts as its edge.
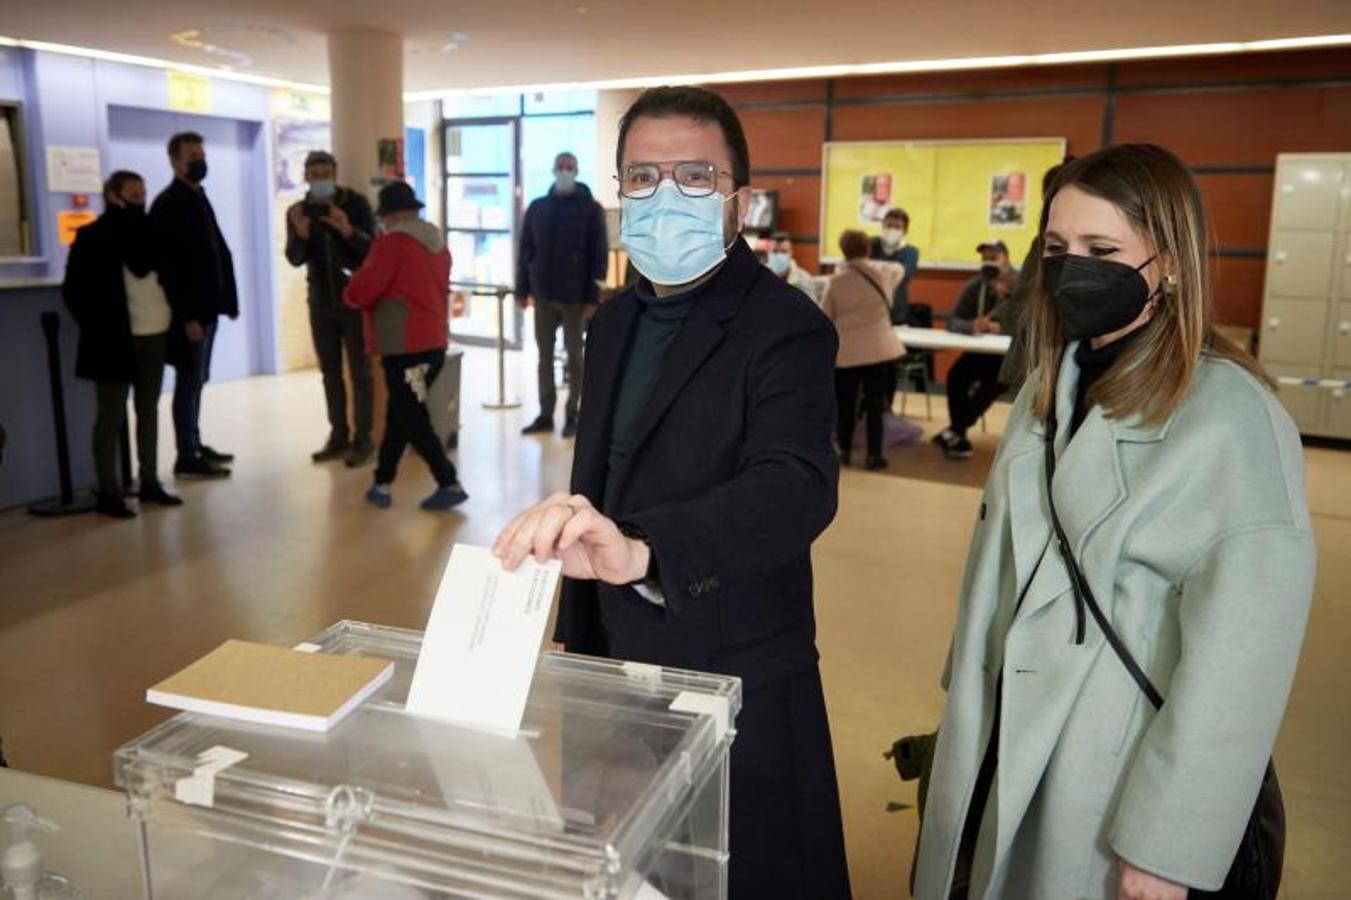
(92, 611)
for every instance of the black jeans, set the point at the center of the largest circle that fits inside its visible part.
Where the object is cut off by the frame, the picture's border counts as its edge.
(875, 379)
(973, 387)
(336, 329)
(193, 371)
(112, 413)
(407, 421)
(548, 316)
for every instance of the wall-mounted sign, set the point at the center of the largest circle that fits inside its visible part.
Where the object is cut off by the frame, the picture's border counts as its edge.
(74, 170)
(188, 92)
(69, 221)
(389, 152)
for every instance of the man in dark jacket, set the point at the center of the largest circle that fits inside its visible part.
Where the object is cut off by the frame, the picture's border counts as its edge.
(562, 258)
(330, 232)
(703, 472)
(198, 275)
(114, 296)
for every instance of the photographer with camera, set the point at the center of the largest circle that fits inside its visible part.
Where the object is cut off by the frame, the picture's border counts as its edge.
(330, 232)
(973, 381)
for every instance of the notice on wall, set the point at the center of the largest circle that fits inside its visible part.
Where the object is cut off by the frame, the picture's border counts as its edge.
(74, 170)
(69, 221)
(189, 92)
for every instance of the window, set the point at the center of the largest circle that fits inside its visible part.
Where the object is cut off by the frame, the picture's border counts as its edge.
(16, 227)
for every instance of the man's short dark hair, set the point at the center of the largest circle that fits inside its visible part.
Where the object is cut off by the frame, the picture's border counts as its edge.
(699, 104)
(183, 137)
(320, 158)
(778, 236)
(118, 180)
(897, 213)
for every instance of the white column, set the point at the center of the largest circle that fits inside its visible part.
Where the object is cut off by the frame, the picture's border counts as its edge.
(610, 107)
(365, 69)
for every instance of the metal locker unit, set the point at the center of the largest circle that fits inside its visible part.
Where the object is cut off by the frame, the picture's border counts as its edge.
(1306, 304)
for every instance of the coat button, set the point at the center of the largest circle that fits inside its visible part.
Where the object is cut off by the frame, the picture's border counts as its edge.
(713, 584)
(696, 589)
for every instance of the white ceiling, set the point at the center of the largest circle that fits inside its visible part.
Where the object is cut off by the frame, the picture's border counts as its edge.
(512, 42)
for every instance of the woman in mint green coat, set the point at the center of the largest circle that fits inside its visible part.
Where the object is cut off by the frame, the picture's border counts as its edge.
(1178, 481)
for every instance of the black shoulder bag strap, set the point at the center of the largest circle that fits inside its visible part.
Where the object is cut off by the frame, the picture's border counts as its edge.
(1083, 594)
(886, 301)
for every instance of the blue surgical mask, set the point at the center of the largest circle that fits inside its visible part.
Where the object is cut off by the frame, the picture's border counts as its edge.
(323, 190)
(670, 238)
(780, 263)
(565, 180)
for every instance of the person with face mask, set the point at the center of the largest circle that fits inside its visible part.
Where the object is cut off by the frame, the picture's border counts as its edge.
(402, 292)
(781, 263)
(1139, 581)
(329, 232)
(703, 472)
(973, 383)
(562, 260)
(893, 245)
(113, 293)
(197, 273)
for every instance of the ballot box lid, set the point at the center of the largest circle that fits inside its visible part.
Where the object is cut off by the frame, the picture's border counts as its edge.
(608, 756)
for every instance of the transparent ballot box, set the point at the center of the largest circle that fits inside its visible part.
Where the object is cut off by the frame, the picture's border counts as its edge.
(615, 787)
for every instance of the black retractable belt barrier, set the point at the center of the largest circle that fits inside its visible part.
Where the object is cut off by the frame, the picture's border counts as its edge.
(67, 503)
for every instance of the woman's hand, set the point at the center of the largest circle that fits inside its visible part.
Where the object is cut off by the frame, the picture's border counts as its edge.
(1137, 884)
(568, 528)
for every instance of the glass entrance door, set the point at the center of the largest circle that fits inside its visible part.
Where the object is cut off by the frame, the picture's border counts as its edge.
(480, 206)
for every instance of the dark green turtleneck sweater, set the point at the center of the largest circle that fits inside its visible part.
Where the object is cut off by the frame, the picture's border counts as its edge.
(658, 323)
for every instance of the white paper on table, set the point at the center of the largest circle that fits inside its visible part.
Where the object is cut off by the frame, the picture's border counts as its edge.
(482, 640)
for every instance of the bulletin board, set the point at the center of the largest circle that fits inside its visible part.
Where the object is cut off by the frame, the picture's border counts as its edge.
(957, 194)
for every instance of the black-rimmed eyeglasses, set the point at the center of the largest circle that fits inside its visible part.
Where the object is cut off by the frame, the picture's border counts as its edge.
(692, 177)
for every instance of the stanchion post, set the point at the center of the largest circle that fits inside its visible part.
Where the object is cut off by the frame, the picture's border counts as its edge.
(502, 401)
(66, 504)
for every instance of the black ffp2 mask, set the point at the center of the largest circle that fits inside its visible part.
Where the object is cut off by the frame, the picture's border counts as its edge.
(1095, 296)
(990, 271)
(197, 170)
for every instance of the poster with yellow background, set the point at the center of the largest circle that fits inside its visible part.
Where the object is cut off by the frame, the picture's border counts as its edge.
(957, 194)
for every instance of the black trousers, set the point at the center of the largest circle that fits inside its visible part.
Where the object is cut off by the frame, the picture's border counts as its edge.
(875, 380)
(407, 421)
(192, 371)
(787, 838)
(548, 317)
(112, 414)
(973, 387)
(337, 329)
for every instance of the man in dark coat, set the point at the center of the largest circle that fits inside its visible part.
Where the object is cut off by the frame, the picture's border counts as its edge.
(330, 232)
(703, 472)
(198, 275)
(563, 256)
(114, 296)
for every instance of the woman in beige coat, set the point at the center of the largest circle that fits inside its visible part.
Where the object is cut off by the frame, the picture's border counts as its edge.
(1178, 480)
(858, 301)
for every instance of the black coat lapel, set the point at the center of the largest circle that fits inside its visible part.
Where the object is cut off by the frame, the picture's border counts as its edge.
(699, 336)
(606, 346)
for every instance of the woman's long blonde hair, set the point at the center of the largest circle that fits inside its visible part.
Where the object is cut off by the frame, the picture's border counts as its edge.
(1157, 194)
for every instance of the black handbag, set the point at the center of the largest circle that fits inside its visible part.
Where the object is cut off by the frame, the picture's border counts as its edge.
(1255, 873)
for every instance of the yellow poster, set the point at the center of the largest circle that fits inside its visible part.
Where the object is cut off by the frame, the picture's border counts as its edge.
(69, 221)
(957, 194)
(188, 92)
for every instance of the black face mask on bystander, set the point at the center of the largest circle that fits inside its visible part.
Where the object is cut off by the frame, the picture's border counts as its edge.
(1096, 296)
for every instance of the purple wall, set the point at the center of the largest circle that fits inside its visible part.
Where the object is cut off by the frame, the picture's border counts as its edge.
(118, 108)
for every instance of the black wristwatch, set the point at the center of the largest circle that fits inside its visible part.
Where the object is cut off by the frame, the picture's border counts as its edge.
(633, 532)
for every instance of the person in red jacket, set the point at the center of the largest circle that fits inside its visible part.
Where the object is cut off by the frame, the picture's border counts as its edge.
(401, 290)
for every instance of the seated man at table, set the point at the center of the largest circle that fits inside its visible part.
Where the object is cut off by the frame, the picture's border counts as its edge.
(973, 381)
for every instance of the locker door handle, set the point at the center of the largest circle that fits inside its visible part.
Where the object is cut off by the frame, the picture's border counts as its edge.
(1274, 322)
(1281, 256)
(1344, 328)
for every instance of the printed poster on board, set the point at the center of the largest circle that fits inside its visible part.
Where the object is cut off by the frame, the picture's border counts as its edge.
(1008, 200)
(875, 197)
